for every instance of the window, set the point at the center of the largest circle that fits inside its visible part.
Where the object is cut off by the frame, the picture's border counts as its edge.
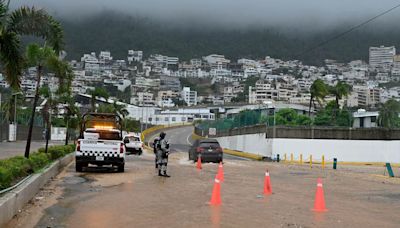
(166, 119)
(150, 119)
(373, 119)
(157, 119)
(183, 119)
(173, 119)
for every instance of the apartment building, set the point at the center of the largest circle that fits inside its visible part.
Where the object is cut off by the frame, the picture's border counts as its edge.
(381, 56)
(143, 99)
(189, 96)
(136, 56)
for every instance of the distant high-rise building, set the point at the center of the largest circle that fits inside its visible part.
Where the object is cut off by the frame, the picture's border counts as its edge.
(189, 96)
(381, 56)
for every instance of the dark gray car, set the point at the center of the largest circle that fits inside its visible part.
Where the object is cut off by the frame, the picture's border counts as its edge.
(208, 149)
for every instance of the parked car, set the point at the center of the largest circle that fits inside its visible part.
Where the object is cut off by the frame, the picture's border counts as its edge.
(133, 144)
(208, 149)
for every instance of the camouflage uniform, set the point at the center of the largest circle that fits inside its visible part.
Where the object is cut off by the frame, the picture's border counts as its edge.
(162, 157)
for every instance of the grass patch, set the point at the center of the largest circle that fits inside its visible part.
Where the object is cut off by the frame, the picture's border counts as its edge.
(15, 168)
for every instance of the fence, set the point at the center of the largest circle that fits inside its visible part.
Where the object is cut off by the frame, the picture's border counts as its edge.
(309, 132)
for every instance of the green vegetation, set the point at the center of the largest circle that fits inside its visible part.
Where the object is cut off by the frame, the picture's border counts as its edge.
(24, 21)
(14, 169)
(287, 117)
(389, 114)
(333, 116)
(318, 92)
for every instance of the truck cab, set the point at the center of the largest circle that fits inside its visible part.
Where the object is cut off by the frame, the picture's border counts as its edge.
(100, 142)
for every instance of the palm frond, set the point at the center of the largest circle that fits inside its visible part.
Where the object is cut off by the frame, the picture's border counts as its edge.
(11, 58)
(36, 22)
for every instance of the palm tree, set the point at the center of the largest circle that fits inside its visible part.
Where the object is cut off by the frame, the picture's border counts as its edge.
(389, 114)
(47, 108)
(23, 21)
(39, 57)
(318, 91)
(97, 93)
(340, 90)
(70, 111)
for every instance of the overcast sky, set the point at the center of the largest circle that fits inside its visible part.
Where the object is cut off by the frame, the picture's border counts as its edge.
(313, 13)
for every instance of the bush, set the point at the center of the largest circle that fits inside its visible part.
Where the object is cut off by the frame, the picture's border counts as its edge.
(15, 168)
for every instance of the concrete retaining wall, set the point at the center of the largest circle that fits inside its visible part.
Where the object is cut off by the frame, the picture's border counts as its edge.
(16, 199)
(367, 151)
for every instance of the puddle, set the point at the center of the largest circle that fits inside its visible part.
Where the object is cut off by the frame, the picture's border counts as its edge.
(74, 180)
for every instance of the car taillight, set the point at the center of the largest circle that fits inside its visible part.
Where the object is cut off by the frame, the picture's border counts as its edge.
(199, 149)
(121, 148)
(219, 149)
(78, 146)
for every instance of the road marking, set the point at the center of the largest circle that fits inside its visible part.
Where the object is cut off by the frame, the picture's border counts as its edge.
(187, 139)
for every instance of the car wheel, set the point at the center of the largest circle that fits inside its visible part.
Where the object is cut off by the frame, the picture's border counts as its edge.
(121, 168)
(78, 167)
(140, 152)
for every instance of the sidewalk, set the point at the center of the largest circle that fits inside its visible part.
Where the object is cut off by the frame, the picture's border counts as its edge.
(10, 149)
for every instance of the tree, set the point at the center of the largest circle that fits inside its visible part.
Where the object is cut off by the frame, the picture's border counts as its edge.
(389, 114)
(340, 90)
(318, 91)
(97, 93)
(23, 21)
(46, 110)
(39, 57)
(325, 117)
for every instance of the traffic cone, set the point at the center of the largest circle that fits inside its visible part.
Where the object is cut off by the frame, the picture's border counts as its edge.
(220, 174)
(198, 162)
(267, 184)
(319, 204)
(216, 193)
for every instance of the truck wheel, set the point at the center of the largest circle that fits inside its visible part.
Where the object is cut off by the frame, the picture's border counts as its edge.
(140, 152)
(121, 168)
(78, 167)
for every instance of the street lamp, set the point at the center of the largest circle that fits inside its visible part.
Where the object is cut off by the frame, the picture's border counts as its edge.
(15, 113)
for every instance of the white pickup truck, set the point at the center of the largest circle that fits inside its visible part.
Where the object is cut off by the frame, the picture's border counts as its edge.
(100, 142)
(133, 143)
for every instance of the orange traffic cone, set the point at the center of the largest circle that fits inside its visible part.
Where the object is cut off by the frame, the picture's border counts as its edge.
(220, 174)
(319, 204)
(198, 162)
(216, 194)
(267, 184)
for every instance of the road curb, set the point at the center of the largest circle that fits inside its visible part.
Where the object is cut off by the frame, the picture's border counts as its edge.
(12, 202)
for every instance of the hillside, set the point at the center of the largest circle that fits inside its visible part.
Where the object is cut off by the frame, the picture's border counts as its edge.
(118, 33)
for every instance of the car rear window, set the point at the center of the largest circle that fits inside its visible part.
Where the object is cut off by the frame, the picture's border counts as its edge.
(133, 139)
(107, 135)
(209, 144)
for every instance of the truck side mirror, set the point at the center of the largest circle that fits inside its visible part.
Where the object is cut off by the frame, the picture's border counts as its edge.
(126, 140)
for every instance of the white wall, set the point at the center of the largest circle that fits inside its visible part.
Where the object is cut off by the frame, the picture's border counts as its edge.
(253, 143)
(343, 150)
(58, 133)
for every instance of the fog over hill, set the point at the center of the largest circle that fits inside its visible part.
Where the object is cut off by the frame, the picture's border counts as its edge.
(236, 28)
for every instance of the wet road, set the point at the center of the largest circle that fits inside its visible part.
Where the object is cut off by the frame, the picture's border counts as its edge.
(139, 198)
(180, 141)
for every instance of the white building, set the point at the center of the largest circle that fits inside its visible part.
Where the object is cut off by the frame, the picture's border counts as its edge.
(143, 99)
(189, 96)
(136, 56)
(381, 56)
(364, 119)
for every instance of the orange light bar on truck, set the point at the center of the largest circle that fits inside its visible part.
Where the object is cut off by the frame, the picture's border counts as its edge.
(103, 127)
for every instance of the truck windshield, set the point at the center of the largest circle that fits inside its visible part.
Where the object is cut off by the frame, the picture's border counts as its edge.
(106, 135)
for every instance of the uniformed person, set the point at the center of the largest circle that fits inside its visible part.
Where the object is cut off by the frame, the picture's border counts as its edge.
(155, 144)
(162, 155)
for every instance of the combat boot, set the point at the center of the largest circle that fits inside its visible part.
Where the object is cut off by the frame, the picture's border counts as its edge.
(166, 175)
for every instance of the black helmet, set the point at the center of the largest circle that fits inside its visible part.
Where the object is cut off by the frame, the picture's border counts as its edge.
(162, 135)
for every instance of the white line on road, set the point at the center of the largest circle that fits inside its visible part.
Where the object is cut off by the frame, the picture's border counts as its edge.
(187, 139)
